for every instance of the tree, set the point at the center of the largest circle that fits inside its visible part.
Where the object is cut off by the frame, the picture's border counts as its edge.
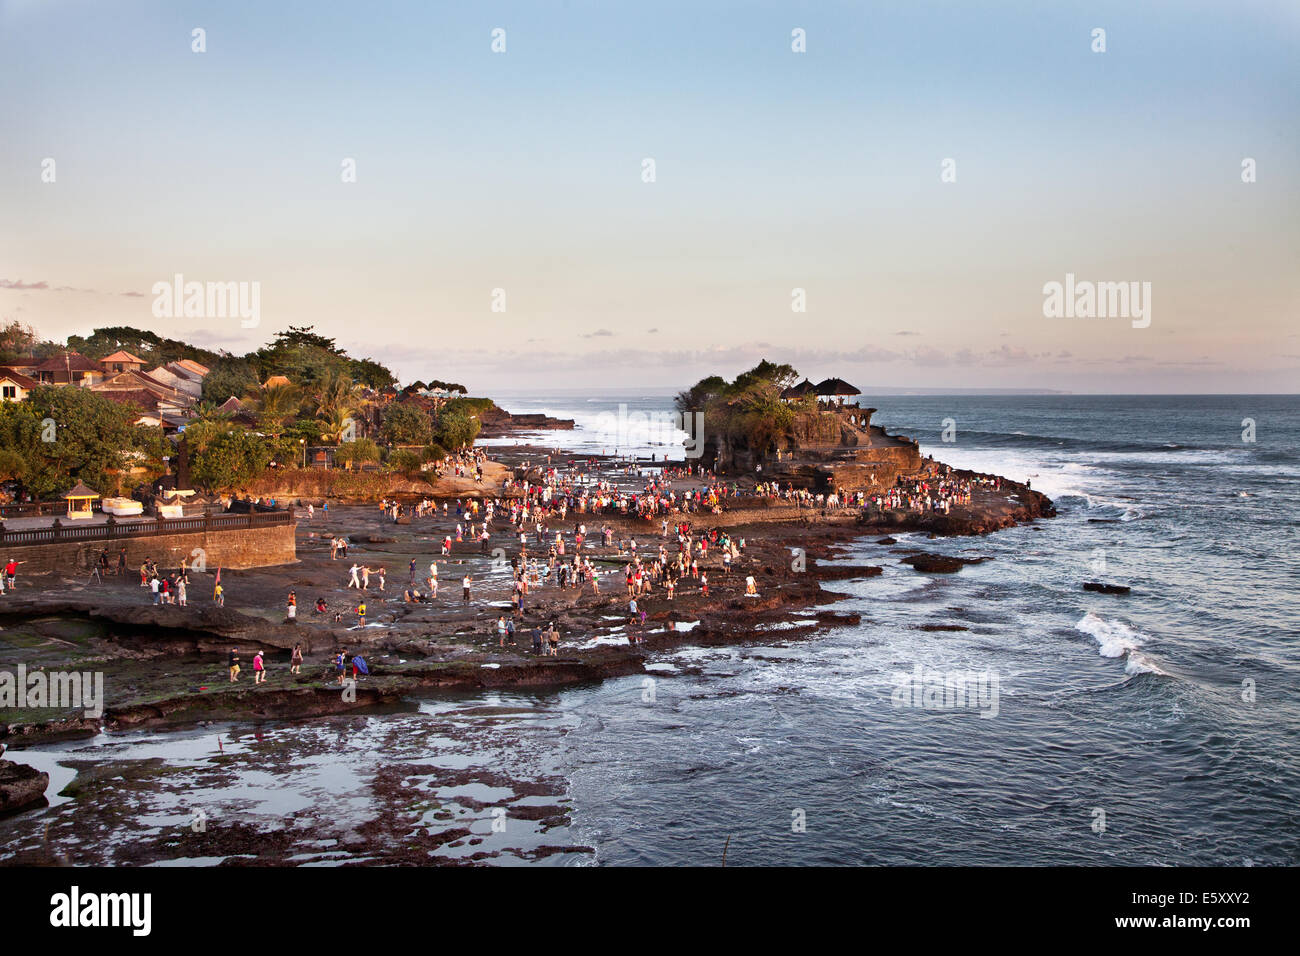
(66, 435)
(228, 377)
(406, 462)
(229, 459)
(13, 466)
(371, 373)
(362, 451)
(456, 428)
(274, 406)
(406, 425)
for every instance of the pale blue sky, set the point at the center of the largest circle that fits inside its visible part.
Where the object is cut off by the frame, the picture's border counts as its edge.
(775, 170)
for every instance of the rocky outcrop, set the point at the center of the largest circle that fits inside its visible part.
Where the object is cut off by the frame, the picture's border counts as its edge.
(496, 422)
(1106, 588)
(21, 786)
(940, 563)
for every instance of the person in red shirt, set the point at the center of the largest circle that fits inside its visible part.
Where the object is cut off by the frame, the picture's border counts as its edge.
(11, 572)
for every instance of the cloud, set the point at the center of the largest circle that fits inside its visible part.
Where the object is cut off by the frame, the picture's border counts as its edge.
(133, 295)
(20, 285)
(651, 331)
(906, 332)
(599, 333)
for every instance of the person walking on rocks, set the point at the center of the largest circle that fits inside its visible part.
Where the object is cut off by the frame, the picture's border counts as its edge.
(465, 585)
(233, 664)
(355, 582)
(295, 660)
(259, 668)
(340, 664)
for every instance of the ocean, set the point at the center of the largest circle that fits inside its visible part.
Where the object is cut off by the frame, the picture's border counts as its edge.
(1154, 728)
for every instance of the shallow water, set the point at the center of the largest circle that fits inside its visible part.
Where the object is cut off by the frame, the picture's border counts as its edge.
(1154, 728)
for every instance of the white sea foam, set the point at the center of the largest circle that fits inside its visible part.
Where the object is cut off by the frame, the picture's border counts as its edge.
(1117, 639)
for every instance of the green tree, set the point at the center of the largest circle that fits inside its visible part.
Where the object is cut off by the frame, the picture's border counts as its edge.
(406, 462)
(456, 428)
(227, 378)
(228, 459)
(359, 452)
(406, 425)
(89, 437)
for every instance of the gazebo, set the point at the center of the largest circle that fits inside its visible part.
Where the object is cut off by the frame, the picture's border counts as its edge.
(796, 392)
(81, 501)
(836, 389)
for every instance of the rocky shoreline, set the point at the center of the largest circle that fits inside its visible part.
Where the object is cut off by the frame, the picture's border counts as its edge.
(164, 665)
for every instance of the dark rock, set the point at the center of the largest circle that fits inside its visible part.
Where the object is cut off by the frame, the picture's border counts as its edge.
(1106, 588)
(940, 563)
(935, 563)
(943, 627)
(887, 541)
(21, 786)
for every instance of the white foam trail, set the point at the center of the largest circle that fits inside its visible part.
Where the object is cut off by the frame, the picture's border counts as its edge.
(1117, 639)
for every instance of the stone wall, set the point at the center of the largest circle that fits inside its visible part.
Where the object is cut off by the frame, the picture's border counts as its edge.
(236, 548)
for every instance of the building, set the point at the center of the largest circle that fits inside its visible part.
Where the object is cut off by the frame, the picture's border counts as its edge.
(180, 377)
(121, 361)
(14, 385)
(70, 368)
(835, 391)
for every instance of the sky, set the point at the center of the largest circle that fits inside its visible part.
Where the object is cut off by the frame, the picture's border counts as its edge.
(501, 231)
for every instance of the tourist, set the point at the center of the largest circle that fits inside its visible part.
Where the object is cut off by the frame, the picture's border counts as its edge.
(181, 589)
(219, 596)
(361, 613)
(291, 609)
(233, 663)
(465, 585)
(537, 640)
(339, 665)
(156, 588)
(295, 660)
(751, 586)
(355, 582)
(259, 668)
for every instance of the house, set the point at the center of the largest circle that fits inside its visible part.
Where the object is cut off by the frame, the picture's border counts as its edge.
(166, 400)
(121, 361)
(70, 368)
(194, 367)
(276, 381)
(14, 385)
(177, 376)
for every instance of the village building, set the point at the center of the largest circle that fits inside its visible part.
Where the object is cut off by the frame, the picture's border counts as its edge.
(122, 361)
(70, 368)
(14, 385)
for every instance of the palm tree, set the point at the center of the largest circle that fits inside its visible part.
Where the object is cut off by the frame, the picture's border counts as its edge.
(335, 392)
(335, 425)
(275, 405)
